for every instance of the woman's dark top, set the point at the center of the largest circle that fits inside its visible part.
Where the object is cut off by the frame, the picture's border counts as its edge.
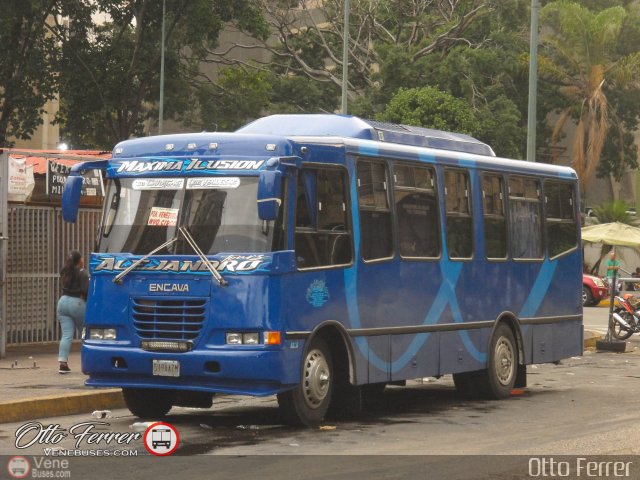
(78, 286)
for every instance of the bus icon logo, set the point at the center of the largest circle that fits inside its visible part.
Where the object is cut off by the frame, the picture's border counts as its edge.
(161, 439)
(18, 467)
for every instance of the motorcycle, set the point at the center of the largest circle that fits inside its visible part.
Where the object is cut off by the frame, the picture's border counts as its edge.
(626, 316)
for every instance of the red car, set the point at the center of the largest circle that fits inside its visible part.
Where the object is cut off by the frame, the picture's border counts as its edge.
(593, 290)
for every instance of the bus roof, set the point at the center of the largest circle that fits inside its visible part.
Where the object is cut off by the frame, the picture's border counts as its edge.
(354, 127)
(277, 135)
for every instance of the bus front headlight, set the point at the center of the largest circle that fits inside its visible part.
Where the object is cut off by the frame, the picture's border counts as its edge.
(102, 334)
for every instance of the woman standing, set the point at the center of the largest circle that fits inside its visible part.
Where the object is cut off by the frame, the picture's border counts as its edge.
(72, 304)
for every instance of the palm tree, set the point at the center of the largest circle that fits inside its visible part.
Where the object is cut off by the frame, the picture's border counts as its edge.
(614, 211)
(580, 55)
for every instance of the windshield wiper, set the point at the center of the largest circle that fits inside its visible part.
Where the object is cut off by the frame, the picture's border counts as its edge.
(118, 278)
(200, 253)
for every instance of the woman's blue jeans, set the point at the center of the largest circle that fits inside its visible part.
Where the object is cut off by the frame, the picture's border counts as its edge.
(71, 317)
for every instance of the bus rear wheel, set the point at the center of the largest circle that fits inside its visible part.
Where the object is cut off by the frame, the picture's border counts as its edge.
(497, 380)
(148, 402)
(308, 402)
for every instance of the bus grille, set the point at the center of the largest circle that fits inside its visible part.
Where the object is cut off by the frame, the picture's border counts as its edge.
(168, 319)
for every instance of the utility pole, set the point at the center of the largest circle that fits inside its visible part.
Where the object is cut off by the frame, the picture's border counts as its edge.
(161, 112)
(345, 58)
(533, 83)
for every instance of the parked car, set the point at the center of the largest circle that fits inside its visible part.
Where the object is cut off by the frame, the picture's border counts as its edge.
(593, 290)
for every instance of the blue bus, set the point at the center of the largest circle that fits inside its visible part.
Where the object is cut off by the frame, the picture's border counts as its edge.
(319, 256)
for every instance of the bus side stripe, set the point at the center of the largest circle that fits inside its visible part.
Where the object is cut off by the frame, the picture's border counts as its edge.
(539, 289)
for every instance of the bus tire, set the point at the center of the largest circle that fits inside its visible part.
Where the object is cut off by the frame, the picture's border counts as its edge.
(497, 380)
(309, 401)
(148, 402)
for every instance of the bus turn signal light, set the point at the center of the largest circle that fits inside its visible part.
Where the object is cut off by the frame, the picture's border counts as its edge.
(272, 338)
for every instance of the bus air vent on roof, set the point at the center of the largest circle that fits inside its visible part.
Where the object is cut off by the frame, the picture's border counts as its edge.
(354, 127)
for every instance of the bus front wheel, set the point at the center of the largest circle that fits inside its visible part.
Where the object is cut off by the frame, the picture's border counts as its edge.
(308, 402)
(148, 402)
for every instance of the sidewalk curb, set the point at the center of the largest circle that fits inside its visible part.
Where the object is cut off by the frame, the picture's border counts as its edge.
(58, 405)
(590, 338)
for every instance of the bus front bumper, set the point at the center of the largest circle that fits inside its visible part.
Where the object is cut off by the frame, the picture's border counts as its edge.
(240, 371)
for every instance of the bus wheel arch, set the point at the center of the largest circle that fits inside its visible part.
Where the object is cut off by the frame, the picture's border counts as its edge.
(346, 396)
(505, 366)
(341, 347)
(326, 367)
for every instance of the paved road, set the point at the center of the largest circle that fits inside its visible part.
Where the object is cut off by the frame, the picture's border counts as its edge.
(585, 406)
(596, 319)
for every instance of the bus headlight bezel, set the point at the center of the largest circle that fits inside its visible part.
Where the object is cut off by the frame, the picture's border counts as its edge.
(102, 334)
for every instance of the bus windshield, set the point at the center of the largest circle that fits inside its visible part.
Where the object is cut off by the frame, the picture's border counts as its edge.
(219, 212)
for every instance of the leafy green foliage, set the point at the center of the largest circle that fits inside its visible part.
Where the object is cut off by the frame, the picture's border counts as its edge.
(111, 72)
(471, 49)
(430, 107)
(614, 211)
(27, 55)
(238, 97)
(586, 55)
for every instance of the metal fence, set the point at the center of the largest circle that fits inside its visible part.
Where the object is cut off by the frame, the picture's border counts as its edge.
(38, 243)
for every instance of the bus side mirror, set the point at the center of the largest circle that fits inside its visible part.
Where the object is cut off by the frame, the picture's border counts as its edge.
(71, 198)
(269, 194)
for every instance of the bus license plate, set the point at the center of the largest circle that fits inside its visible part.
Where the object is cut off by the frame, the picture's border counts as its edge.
(166, 368)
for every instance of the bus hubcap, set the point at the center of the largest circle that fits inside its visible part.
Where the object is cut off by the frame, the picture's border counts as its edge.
(317, 379)
(505, 360)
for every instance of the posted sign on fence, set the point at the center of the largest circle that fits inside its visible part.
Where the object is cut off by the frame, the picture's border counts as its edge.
(57, 174)
(20, 176)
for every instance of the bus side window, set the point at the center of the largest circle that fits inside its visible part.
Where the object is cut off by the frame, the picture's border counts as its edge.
(417, 211)
(525, 218)
(495, 225)
(375, 213)
(459, 222)
(562, 228)
(322, 236)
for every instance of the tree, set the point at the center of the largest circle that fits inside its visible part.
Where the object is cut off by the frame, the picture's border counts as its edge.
(111, 71)
(238, 96)
(580, 55)
(469, 48)
(308, 37)
(431, 108)
(27, 66)
(614, 211)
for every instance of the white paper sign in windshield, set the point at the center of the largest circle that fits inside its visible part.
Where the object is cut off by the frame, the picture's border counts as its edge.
(163, 217)
(212, 183)
(158, 183)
